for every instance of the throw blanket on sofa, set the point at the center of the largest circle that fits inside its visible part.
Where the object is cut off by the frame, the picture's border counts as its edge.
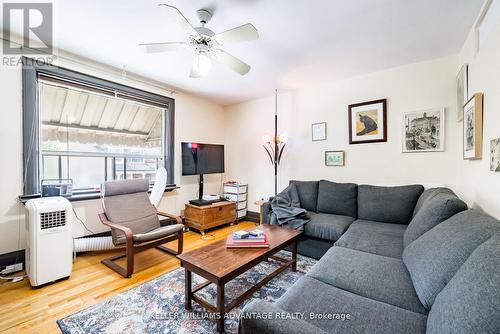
(287, 211)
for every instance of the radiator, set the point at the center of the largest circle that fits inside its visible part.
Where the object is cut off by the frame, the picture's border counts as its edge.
(92, 244)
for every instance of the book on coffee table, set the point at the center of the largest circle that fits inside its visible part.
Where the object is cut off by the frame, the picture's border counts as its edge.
(257, 242)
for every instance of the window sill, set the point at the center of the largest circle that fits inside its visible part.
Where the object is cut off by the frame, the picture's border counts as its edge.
(85, 196)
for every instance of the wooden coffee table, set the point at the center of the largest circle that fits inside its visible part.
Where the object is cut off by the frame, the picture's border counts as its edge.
(218, 265)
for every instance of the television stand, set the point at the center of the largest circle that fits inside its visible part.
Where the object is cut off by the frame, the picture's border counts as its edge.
(204, 217)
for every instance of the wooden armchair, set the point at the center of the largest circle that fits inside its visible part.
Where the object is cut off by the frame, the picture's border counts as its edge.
(134, 222)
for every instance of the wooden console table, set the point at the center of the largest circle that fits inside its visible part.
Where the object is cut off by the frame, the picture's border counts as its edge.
(204, 217)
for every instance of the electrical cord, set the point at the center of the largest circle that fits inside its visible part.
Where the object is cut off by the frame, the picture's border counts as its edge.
(13, 279)
(81, 221)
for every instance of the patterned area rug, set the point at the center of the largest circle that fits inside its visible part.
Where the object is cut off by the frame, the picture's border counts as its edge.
(157, 306)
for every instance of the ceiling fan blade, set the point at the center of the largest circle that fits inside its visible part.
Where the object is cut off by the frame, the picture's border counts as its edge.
(246, 32)
(163, 47)
(175, 15)
(231, 61)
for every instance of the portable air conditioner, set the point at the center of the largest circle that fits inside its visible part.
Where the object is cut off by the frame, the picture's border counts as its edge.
(49, 243)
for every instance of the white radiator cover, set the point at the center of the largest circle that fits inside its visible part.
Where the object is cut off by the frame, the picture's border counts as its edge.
(93, 244)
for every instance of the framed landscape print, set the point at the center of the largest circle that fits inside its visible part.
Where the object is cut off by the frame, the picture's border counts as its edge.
(495, 155)
(462, 90)
(368, 122)
(473, 127)
(319, 131)
(423, 131)
(334, 158)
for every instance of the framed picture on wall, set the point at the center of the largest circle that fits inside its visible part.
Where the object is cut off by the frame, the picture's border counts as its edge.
(368, 122)
(423, 131)
(334, 158)
(473, 127)
(495, 155)
(462, 90)
(319, 131)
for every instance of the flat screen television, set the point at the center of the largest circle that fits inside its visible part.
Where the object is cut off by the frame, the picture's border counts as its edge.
(199, 159)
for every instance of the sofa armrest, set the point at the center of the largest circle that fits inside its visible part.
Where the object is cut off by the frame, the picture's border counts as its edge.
(266, 212)
(272, 320)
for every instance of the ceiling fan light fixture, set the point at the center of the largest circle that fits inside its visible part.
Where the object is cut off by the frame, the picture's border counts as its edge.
(202, 63)
(205, 42)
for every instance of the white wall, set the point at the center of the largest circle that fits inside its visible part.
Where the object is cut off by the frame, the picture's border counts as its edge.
(196, 120)
(412, 87)
(475, 182)
(240, 127)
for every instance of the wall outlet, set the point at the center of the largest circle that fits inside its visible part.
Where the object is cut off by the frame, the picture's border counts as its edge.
(12, 268)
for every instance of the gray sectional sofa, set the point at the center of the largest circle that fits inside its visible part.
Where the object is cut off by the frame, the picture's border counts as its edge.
(392, 260)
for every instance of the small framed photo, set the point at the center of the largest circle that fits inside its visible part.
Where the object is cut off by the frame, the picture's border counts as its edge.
(423, 131)
(334, 158)
(495, 155)
(473, 128)
(368, 122)
(462, 90)
(319, 131)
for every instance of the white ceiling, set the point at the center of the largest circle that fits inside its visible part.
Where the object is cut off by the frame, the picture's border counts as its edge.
(301, 41)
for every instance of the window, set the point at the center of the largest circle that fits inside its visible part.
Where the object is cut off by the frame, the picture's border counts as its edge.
(92, 138)
(90, 130)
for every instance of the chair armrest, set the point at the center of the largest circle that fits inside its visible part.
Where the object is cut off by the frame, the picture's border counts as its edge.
(126, 230)
(171, 216)
(274, 321)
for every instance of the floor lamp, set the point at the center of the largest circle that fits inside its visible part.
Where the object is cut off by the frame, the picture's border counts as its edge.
(274, 145)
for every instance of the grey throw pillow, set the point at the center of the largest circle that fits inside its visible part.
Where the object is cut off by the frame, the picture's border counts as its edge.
(388, 204)
(434, 211)
(428, 194)
(308, 194)
(338, 198)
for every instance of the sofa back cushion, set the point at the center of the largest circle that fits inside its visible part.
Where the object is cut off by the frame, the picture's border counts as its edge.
(388, 204)
(435, 257)
(308, 194)
(470, 302)
(433, 212)
(338, 198)
(428, 194)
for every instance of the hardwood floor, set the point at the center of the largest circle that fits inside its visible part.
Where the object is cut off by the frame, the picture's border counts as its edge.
(28, 310)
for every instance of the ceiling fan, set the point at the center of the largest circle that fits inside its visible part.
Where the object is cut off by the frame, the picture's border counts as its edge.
(205, 42)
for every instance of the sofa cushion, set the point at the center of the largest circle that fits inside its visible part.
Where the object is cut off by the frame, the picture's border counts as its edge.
(275, 322)
(338, 198)
(312, 247)
(433, 212)
(369, 275)
(326, 226)
(429, 194)
(388, 204)
(309, 295)
(308, 194)
(374, 237)
(470, 302)
(435, 257)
